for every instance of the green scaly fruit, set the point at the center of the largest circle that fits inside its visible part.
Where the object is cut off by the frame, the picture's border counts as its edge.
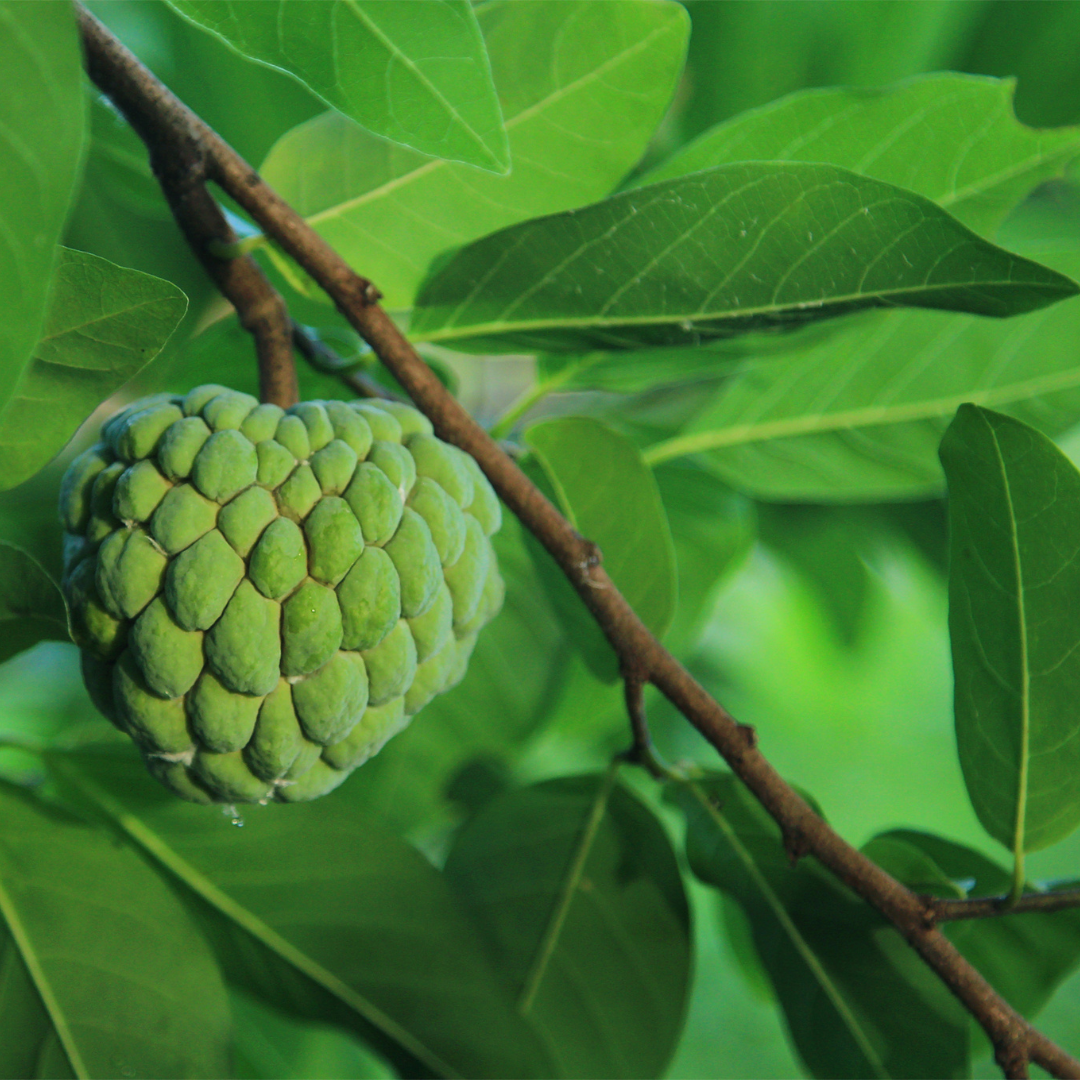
(263, 597)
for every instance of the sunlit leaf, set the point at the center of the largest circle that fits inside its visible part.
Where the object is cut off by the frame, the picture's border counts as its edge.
(577, 888)
(953, 138)
(730, 249)
(42, 119)
(858, 415)
(1014, 585)
(415, 73)
(106, 973)
(582, 86)
(104, 324)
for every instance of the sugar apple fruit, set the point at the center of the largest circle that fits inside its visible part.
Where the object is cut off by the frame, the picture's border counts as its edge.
(263, 597)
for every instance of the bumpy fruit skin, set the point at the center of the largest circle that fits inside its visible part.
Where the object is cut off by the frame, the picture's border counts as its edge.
(264, 597)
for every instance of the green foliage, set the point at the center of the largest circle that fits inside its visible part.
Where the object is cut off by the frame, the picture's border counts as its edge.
(676, 215)
(1025, 958)
(581, 86)
(952, 138)
(79, 914)
(609, 495)
(366, 934)
(41, 150)
(419, 78)
(1014, 519)
(31, 606)
(662, 266)
(576, 886)
(103, 326)
(785, 428)
(852, 992)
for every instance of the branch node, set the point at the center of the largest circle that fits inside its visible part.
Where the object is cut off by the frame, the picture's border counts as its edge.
(796, 845)
(749, 735)
(929, 913)
(1012, 1057)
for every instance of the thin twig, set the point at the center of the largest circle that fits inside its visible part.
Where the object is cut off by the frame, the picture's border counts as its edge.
(324, 359)
(642, 751)
(992, 907)
(137, 93)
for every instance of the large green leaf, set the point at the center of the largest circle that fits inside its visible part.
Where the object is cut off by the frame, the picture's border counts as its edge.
(1025, 957)
(1014, 584)
(42, 117)
(582, 87)
(610, 497)
(515, 676)
(729, 249)
(953, 138)
(575, 883)
(858, 415)
(857, 1000)
(105, 323)
(415, 73)
(321, 912)
(31, 606)
(107, 973)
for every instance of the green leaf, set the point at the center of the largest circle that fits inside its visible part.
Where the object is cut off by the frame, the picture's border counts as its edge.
(1014, 581)
(270, 1045)
(857, 1000)
(105, 324)
(32, 608)
(577, 888)
(636, 370)
(858, 415)
(611, 498)
(516, 675)
(582, 87)
(953, 138)
(321, 912)
(415, 73)
(117, 160)
(712, 528)
(42, 118)
(731, 249)
(1025, 957)
(108, 971)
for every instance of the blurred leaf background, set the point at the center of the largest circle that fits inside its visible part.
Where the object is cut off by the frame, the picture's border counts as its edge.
(823, 627)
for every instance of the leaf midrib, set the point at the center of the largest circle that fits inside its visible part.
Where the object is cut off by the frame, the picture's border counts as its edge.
(589, 322)
(571, 881)
(1019, 820)
(10, 915)
(800, 944)
(848, 419)
(159, 849)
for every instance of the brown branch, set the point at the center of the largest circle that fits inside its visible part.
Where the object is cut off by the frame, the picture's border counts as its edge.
(641, 750)
(179, 159)
(324, 359)
(166, 120)
(991, 907)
